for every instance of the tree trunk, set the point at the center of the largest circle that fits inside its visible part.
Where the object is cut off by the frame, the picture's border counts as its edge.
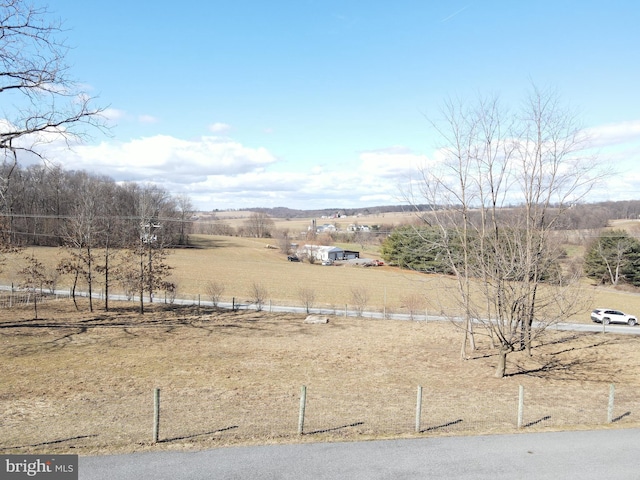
(106, 279)
(468, 337)
(90, 278)
(501, 368)
(141, 283)
(73, 290)
(463, 350)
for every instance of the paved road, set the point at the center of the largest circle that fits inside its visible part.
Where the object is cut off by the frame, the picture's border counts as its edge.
(587, 455)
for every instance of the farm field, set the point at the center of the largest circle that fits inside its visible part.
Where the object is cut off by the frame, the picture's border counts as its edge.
(74, 382)
(236, 219)
(78, 382)
(239, 263)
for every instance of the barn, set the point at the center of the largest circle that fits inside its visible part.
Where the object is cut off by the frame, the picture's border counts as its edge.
(323, 253)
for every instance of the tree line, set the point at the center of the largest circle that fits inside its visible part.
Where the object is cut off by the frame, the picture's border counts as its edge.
(41, 205)
(110, 233)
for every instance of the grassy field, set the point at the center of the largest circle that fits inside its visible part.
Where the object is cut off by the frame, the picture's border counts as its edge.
(73, 382)
(78, 382)
(240, 263)
(237, 219)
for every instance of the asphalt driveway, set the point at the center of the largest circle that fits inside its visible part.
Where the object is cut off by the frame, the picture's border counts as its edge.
(586, 455)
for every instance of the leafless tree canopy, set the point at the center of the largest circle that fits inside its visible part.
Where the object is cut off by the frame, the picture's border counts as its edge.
(41, 100)
(503, 183)
(259, 225)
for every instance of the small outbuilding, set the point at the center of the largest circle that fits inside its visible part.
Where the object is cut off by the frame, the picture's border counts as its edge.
(323, 253)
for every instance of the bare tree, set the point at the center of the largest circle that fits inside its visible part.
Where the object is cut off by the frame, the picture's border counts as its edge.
(359, 299)
(414, 303)
(147, 253)
(34, 279)
(504, 183)
(284, 241)
(259, 295)
(307, 296)
(81, 237)
(34, 78)
(185, 213)
(259, 225)
(214, 290)
(112, 234)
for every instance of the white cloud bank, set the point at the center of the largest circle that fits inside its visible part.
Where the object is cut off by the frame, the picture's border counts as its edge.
(217, 172)
(220, 173)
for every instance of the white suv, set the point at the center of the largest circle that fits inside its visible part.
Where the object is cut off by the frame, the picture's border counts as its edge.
(608, 315)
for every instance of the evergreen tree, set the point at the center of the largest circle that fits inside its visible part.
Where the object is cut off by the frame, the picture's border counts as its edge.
(614, 257)
(417, 248)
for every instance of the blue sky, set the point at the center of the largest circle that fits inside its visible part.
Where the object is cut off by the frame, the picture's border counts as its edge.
(323, 104)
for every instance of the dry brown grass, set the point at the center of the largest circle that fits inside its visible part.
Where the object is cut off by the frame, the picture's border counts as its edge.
(238, 263)
(79, 383)
(237, 219)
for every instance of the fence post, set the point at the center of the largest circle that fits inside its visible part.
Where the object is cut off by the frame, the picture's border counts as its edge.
(612, 394)
(345, 311)
(384, 310)
(520, 406)
(419, 409)
(233, 303)
(303, 405)
(156, 415)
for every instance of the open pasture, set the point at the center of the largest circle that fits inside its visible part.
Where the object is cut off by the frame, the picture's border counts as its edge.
(237, 219)
(240, 263)
(74, 382)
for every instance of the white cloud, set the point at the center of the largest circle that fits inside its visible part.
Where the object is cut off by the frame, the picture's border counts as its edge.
(614, 134)
(114, 114)
(166, 160)
(219, 128)
(147, 119)
(394, 162)
(219, 172)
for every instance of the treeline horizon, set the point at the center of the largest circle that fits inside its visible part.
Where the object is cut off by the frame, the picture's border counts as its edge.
(46, 205)
(39, 202)
(578, 217)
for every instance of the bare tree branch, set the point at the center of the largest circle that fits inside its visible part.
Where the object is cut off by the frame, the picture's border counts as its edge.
(41, 100)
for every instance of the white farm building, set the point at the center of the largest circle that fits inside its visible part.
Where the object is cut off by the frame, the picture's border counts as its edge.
(323, 253)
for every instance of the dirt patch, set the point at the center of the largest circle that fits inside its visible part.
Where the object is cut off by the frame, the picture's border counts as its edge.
(83, 383)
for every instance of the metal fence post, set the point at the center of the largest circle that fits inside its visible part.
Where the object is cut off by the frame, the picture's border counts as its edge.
(612, 394)
(156, 415)
(419, 409)
(303, 405)
(520, 406)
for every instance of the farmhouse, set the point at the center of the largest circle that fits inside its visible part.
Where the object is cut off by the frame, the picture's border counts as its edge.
(322, 253)
(327, 227)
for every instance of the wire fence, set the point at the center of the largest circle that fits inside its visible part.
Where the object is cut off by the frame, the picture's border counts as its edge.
(14, 297)
(103, 420)
(20, 298)
(206, 417)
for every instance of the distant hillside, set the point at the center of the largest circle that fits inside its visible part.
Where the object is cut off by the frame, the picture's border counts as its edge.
(579, 216)
(284, 212)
